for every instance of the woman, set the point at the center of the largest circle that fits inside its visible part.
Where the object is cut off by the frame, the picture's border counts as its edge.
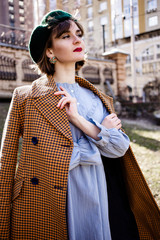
(76, 177)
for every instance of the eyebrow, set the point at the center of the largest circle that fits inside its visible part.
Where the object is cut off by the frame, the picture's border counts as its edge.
(78, 30)
(67, 31)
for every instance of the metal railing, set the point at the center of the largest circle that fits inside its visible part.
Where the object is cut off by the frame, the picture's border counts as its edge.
(15, 37)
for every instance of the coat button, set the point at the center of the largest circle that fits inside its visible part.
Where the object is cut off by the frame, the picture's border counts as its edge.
(34, 140)
(34, 180)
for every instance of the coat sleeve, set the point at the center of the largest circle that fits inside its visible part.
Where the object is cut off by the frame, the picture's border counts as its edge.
(8, 161)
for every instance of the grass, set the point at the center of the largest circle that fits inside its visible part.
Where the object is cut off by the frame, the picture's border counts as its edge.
(146, 147)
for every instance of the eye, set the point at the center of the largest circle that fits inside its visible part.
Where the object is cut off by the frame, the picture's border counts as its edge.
(65, 36)
(80, 35)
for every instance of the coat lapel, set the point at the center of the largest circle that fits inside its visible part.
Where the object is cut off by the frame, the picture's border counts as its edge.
(44, 100)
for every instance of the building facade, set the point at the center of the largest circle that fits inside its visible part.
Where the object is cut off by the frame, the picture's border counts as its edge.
(16, 24)
(15, 63)
(107, 25)
(16, 21)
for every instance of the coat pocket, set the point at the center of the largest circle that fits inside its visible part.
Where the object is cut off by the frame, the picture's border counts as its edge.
(17, 188)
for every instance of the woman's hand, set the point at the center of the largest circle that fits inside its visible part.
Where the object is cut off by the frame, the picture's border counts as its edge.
(80, 122)
(69, 103)
(112, 121)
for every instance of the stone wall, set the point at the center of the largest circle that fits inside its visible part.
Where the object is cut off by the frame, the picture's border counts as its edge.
(100, 72)
(18, 69)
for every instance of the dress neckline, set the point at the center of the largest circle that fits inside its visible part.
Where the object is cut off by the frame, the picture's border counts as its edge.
(66, 83)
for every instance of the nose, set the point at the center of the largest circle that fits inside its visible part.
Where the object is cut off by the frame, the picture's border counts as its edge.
(76, 39)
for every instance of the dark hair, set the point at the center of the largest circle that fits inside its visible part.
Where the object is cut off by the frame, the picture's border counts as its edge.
(57, 29)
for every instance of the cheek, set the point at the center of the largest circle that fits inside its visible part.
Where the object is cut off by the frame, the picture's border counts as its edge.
(59, 49)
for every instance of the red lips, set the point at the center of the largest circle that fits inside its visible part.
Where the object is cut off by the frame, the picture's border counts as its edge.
(77, 50)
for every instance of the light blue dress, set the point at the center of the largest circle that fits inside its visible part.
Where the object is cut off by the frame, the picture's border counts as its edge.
(87, 200)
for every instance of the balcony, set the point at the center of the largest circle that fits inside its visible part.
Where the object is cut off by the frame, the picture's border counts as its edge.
(13, 38)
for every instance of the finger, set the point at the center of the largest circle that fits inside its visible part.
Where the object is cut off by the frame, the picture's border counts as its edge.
(62, 93)
(63, 102)
(118, 121)
(60, 102)
(66, 101)
(64, 90)
(70, 101)
(119, 126)
(112, 115)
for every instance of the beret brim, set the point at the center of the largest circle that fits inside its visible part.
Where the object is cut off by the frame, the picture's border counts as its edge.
(37, 42)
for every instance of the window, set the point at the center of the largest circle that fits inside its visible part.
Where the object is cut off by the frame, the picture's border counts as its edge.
(151, 59)
(10, 1)
(11, 8)
(21, 19)
(89, 12)
(102, 6)
(128, 59)
(127, 22)
(158, 51)
(116, 17)
(150, 67)
(104, 20)
(21, 4)
(11, 16)
(7, 68)
(28, 73)
(128, 71)
(153, 21)
(90, 26)
(148, 54)
(21, 11)
(151, 4)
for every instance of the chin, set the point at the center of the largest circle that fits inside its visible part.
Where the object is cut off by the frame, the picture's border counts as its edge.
(81, 58)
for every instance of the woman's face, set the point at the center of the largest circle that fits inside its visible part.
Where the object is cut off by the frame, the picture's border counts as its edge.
(69, 47)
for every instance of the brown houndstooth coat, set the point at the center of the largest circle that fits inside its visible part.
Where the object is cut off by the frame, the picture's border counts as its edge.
(33, 200)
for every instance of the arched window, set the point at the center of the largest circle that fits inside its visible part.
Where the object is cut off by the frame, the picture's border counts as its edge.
(108, 75)
(151, 59)
(7, 68)
(28, 72)
(91, 74)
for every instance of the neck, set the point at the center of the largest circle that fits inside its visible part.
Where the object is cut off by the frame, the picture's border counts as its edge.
(64, 73)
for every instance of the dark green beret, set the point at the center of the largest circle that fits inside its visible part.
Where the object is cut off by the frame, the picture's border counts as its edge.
(41, 33)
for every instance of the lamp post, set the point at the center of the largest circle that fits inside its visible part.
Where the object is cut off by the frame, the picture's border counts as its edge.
(133, 65)
(104, 43)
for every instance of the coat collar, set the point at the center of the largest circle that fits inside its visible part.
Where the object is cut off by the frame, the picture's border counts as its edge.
(44, 100)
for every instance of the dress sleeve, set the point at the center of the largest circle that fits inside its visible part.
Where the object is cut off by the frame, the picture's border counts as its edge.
(112, 143)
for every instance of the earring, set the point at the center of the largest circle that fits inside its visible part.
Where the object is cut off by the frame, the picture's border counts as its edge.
(53, 60)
